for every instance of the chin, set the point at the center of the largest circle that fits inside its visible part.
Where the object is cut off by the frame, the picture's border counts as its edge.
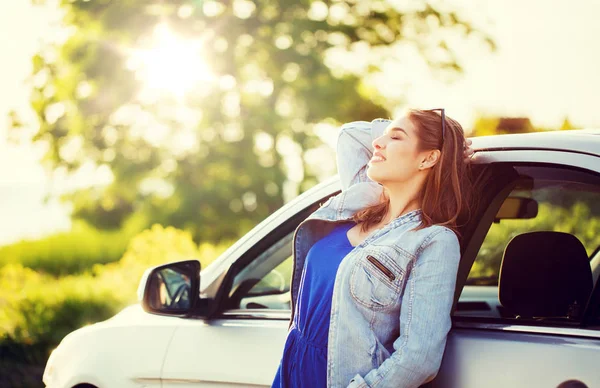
(374, 177)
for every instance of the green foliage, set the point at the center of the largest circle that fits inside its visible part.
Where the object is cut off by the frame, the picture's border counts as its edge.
(576, 219)
(37, 309)
(486, 125)
(152, 247)
(69, 252)
(567, 125)
(215, 160)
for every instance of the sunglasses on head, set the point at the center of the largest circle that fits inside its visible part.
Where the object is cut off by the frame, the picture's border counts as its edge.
(443, 114)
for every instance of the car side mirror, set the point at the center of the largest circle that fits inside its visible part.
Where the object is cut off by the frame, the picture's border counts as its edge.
(171, 289)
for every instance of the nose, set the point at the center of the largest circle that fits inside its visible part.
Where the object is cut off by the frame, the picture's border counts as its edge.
(379, 143)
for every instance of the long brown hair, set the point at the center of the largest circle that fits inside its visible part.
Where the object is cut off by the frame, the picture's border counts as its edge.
(447, 193)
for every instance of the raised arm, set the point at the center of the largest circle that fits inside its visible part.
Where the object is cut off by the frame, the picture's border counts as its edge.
(424, 318)
(355, 149)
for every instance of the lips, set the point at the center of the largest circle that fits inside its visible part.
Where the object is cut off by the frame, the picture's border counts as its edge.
(377, 157)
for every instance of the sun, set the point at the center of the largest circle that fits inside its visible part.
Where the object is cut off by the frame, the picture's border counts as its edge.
(171, 64)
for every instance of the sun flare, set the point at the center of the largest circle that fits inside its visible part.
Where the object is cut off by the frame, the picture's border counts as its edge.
(172, 64)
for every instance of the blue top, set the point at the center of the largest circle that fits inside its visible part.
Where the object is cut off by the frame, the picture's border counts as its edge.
(304, 362)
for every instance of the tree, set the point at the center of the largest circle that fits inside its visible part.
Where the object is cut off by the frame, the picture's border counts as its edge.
(213, 150)
(567, 125)
(487, 125)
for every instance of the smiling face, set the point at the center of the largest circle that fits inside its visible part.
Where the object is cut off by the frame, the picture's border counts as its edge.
(397, 158)
(421, 165)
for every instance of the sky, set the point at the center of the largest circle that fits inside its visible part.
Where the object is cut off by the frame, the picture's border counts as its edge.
(23, 183)
(545, 68)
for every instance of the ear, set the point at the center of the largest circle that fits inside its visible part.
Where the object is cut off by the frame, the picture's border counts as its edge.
(429, 159)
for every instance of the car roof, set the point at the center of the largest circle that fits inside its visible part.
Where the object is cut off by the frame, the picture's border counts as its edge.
(586, 141)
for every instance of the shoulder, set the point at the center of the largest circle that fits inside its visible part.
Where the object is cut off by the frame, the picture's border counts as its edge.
(439, 236)
(439, 250)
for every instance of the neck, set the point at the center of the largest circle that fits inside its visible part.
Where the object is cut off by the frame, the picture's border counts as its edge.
(404, 198)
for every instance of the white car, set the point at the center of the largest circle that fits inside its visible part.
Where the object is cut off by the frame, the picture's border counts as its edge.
(527, 303)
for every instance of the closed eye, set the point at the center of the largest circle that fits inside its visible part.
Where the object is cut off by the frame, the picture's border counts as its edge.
(397, 133)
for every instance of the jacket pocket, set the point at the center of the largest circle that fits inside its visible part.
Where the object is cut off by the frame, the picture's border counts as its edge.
(376, 280)
(380, 266)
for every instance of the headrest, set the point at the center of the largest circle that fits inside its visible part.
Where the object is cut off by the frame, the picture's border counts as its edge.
(545, 274)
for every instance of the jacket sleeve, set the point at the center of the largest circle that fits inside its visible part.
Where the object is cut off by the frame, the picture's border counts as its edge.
(355, 149)
(424, 318)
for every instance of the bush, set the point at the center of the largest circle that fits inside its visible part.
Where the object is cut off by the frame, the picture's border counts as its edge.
(38, 310)
(70, 252)
(152, 247)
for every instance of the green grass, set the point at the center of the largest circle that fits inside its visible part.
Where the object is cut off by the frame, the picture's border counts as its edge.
(69, 252)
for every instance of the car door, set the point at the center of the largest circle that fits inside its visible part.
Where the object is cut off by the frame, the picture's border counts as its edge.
(490, 347)
(241, 349)
(243, 345)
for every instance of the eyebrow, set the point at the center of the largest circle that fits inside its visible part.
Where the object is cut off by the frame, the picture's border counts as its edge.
(398, 129)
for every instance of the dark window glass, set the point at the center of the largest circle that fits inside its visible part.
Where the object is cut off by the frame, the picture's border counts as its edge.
(265, 282)
(545, 199)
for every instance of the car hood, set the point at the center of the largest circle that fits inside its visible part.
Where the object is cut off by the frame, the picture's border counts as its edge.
(131, 316)
(122, 342)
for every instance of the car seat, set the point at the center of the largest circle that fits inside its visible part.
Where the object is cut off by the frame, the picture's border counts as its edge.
(545, 275)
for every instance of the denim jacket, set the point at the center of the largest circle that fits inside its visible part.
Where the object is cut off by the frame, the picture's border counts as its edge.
(392, 295)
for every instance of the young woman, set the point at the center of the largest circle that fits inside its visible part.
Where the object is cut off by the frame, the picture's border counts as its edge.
(375, 266)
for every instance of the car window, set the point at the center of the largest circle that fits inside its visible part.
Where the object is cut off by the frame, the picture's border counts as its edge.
(544, 199)
(265, 282)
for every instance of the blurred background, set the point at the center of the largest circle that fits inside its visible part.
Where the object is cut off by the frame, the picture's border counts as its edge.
(134, 133)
